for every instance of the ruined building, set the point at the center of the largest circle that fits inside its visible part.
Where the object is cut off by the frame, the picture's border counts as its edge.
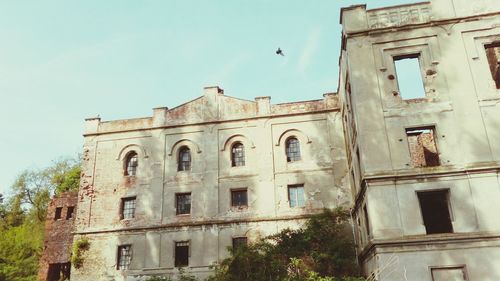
(424, 163)
(418, 166)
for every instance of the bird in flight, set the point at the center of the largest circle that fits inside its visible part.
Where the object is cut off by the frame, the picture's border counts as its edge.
(280, 52)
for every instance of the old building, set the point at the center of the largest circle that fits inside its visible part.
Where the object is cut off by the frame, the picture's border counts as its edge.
(424, 158)
(55, 261)
(176, 189)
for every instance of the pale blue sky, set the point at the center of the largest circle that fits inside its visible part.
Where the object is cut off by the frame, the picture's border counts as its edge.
(63, 61)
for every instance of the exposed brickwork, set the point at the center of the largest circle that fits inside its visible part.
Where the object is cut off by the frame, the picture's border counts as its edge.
(58, 233)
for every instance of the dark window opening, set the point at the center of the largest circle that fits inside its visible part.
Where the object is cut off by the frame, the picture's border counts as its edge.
(449, 273)
(131, 164)
(238, 155)
(182, 254)
(239, 242)
(296, 196)
(124, 257)
(292, 148)
(183, 203)
(128, 208)
(184, 159)
(70, 212)
(422, 145)
(409, 76)
(435, 211)
(493, 56)
(367, 221)
(59, 271)
(239, 198)
(58, 214)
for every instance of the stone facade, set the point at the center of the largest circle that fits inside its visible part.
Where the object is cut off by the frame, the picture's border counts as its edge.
(55, 261)
(135, 216)
(424, 171)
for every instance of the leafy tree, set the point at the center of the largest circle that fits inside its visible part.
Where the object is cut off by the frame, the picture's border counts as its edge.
(321, 251)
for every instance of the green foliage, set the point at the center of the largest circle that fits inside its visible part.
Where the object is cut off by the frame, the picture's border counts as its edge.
(22, 217)
(183, 276)
(79, 247)
(321, 251)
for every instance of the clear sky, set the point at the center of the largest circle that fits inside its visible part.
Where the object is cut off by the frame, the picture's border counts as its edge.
(63, 61)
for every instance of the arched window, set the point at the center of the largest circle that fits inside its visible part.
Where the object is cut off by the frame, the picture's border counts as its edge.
(292, 149)
(238, 155)
(184, 159)
(131, 163)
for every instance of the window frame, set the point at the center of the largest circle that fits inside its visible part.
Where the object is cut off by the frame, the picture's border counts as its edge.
(124, 200)
(411, 131)
(237, 190)
(184, 165)
(418, 57)
(239, 238)
(120, 256)
(238, 158)
(131, 158)
(493, 44)
(58, 213)
(295, 155)
(184, 243)
(70, 215)
(177, 202)
(296, 187)
(448, 207)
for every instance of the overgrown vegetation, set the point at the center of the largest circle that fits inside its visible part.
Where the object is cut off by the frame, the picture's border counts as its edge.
(79, 247)
(22, 216)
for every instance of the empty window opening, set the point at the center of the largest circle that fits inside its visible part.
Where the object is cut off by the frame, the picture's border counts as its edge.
(367, 221)
(69, 213)
(131, 164)
(183, 203)
(128, 208)
(58, 214)
(296, 196)
(124, 257)
(239, 242)
(59, 271)
(435, 209)
(238, 155)
(493, 56)
(184, 159)
(239, 198)
(181, 254)
(292, 148)
(422, 145)
(409, 77)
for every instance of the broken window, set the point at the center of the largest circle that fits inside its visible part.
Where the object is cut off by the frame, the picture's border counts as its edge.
(59, 271)
(296, 195)
(181, 254)
(493, 56)
(183, 203)
(239, 198)
(124, 257)
(435, 211)
(131, 164)
(422, 145)
(58, 214)
(409, 76)
(184, 159)
(70, 212)
(292, 148)
(128, 208)
(238, 155)
(239, 242)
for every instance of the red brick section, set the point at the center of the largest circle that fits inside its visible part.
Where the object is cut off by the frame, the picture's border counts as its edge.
(58, 233)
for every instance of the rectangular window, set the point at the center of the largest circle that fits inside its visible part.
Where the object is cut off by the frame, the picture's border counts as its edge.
(128, 208)
(124, 257)
(493, 56)
(181, 254)
(58, 214)
(296, 195)
(58, 271)
(239, 242)
(435, 211)
(70, 212)
(183, 203)
(367, 221)
(409, 77)
(449, 273)
(422, 145)
(239, 198)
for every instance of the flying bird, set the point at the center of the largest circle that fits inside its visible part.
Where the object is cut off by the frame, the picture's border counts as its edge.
(280, 52)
